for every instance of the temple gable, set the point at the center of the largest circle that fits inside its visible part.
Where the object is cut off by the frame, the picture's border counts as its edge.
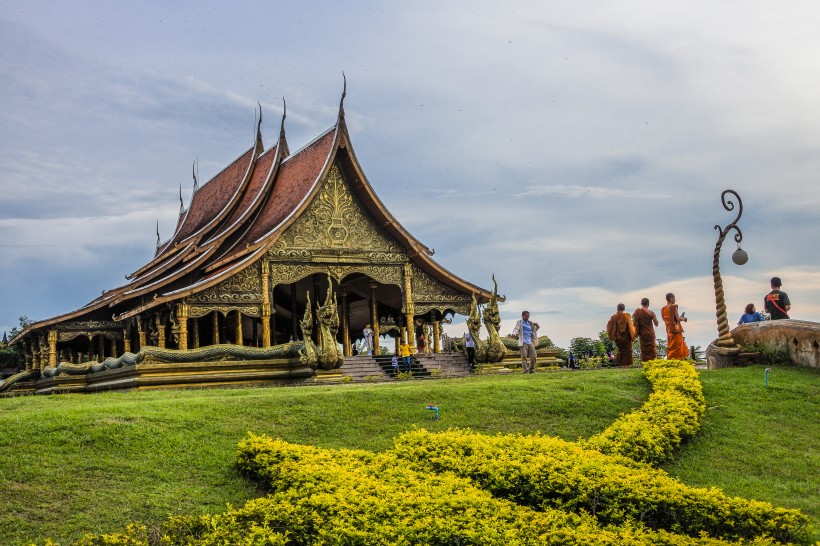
(336, 221)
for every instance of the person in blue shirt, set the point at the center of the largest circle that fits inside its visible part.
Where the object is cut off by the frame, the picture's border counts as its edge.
(527, 334)
(750, 315)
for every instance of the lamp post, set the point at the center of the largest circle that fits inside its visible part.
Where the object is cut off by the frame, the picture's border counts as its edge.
(726, 344)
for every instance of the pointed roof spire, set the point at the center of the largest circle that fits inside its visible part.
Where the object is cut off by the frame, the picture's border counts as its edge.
(284, 115)
(5, 339)
(158, 242)
(193, 172)
(259, 125)
(181, 206)
(344, 94)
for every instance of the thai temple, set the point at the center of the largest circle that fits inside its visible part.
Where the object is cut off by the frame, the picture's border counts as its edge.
(266, 247)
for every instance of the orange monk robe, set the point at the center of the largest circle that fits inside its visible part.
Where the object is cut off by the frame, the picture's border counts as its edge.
(620, 330)
(646, 332)
(676, 348)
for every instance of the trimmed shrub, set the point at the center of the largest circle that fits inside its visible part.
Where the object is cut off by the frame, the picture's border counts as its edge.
(550, 473)
(671, 415)
(355, 497)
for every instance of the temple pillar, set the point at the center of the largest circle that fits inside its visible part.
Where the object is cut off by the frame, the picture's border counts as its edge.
(295, 321)
(52, 348)
(143, 335)
(126, 339)
(409, 306)
(240, 338)
(398, 345)
(160, 330)
(216, 328)
(346, 347)
(100, 348)
(195, 332)
(374, 318)
(35, 356)
(266, 304)
(436, 336)
(182, 317)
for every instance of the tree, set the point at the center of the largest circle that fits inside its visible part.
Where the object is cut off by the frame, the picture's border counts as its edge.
(608, 344)
(582, 346)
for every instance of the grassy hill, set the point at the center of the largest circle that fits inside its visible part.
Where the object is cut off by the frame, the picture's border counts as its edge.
(78, 463)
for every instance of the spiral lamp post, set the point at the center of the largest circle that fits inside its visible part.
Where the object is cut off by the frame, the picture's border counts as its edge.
(725, 343)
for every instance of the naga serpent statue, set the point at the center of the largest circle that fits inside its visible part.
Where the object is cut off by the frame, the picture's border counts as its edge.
(309, 354)
(328, 317)
(474, 327)
(492, 320)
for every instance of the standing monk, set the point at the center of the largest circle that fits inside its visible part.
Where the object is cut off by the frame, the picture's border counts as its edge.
(622, 332)
(676, 348)
(644, 319)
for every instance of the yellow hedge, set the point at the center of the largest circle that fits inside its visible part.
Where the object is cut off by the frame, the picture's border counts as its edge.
(672, 414)
(544, 472)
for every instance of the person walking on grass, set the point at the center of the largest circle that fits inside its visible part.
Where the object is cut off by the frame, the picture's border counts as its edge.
(527, 334)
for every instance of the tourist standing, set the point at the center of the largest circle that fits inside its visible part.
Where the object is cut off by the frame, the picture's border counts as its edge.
(421, 339)
(645, 320)
(527, 334)
(621, 330)
(469, 347)
(676, 348)
(405, 355)
(750, 314)
(777, 302)
(368, 337)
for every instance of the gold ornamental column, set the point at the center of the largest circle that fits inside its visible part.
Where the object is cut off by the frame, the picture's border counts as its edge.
(216, 328)
(409, 306)
(374, 318)
(240, 338)
(101, 347)
(266, 304)
(126, 337)
(160, 331)
(345, 323)
(436, 337)
(52, 348)
(35, 355)
(182, 317)
(398, 345)
(142, 333)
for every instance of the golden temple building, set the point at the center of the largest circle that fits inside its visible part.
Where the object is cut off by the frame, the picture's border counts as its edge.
(266, 235)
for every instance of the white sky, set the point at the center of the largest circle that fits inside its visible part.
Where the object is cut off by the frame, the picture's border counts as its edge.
(576, 150)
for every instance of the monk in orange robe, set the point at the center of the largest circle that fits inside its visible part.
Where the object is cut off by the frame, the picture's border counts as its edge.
(645, 320)
(676, 348)
(622, 332)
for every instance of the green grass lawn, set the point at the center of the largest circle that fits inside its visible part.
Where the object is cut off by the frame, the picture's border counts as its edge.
(72, 464)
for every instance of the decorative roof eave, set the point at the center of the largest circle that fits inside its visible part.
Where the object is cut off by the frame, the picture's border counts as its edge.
(100, 302)
(195, 237)
(187, 268)
(435, 269)
(189, 290)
